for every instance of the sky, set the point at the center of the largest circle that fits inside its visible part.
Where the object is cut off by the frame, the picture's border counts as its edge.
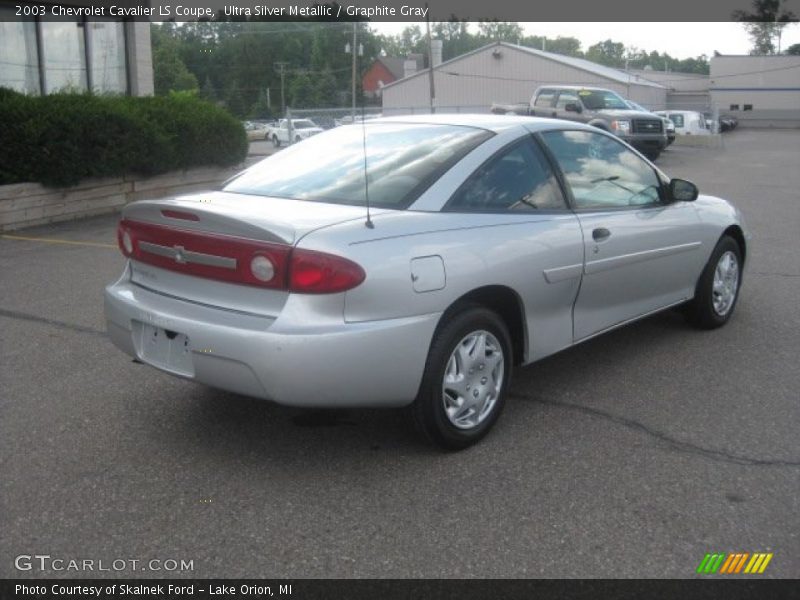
(679, 40)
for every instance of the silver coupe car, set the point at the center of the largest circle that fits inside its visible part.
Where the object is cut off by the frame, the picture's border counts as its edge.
(416, 262)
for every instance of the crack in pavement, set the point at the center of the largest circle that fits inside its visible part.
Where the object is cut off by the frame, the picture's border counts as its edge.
(681, 446)
(21, 316)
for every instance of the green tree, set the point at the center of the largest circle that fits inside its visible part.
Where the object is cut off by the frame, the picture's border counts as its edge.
(301, 91)
(609, 53)
(236, 102)
(500, 31)
(765, 25)
(169, 71)
(325, 89)
(794, 50)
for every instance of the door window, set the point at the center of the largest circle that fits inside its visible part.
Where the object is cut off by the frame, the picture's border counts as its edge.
(565, 98)
(601, 171)
(518, 179)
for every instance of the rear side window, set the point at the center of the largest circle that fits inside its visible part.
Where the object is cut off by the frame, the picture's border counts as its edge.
(545, 99)
(393, 162)
(517, 179)
(565, 98)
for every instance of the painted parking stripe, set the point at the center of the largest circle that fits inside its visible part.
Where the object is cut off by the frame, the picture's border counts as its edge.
(55, 241)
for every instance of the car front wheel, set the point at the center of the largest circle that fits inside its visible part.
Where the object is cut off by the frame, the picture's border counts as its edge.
(465, 381)
(718, 287)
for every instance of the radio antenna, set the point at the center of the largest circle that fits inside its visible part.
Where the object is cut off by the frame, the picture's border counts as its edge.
(369, 222)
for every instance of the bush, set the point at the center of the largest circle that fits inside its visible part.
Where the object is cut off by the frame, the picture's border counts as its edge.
(60, 139)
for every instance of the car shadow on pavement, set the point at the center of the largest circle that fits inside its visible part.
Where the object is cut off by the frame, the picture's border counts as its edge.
(232, 426)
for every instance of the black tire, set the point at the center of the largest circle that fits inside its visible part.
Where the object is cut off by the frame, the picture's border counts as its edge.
(701, 311)
(297, 140)
(652, 155)
(275, 141)
(429, 410)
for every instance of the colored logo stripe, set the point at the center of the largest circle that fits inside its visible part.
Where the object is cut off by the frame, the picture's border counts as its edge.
(734, 563)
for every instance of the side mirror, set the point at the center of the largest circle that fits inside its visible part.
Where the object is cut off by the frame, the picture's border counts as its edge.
(573, 107)
(681, 190)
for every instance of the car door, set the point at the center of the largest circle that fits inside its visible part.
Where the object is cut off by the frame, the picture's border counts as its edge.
(641, 253)
(523, 231)
(543, 104)
(568, 97)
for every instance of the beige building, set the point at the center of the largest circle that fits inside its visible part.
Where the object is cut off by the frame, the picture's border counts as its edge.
(760, 91)
(685, 91)
(102, 54)
(507, 74)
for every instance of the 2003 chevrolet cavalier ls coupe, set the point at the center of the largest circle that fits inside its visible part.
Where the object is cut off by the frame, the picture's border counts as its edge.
(490, 242)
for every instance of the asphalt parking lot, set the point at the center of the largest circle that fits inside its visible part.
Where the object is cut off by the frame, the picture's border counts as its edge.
(631, 455)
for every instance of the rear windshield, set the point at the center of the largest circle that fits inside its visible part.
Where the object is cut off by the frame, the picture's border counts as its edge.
(600, 99)
(402, 160)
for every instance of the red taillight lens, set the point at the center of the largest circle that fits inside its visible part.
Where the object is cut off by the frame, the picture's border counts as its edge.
(319, 273)
(237, 260)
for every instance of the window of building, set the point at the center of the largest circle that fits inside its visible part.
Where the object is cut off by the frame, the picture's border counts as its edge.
(46, 56)
(748, 107)
(734, 107)
(109, 71)
(19, 54)
(63, 56)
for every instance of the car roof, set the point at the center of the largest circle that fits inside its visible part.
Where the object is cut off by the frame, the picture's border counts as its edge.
(490, 122)
(574, 87)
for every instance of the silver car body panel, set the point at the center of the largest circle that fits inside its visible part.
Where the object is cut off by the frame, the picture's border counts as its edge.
(368, 346)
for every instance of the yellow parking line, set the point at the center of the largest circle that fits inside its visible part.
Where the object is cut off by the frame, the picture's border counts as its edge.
(53, 241)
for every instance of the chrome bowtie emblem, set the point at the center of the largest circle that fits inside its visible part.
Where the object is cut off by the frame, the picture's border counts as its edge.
(179, 257)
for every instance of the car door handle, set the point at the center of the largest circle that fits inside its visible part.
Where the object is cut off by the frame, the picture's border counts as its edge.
(600, 234)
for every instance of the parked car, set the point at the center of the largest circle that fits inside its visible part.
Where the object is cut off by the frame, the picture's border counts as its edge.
(687, 122)
(256, 130)
(481, 243)
(519, 108)
(603, 109)
(669, 126)
(300, 130)
(728, 123)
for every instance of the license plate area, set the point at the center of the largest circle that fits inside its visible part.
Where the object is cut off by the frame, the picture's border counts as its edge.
(163, 348)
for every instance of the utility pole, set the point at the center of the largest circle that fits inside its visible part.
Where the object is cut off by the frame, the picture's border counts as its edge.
(430, 59)
(281, 68)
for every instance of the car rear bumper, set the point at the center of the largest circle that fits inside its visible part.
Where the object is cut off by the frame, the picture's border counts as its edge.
(379, 363)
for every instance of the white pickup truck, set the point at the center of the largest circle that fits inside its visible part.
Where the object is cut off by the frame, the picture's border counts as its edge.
(300, 129)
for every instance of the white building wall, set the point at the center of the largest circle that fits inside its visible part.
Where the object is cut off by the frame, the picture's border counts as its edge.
(499, 74)
(140, 58)
(768, 86)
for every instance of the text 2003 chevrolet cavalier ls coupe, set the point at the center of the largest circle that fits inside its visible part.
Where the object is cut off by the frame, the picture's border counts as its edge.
(491, 242)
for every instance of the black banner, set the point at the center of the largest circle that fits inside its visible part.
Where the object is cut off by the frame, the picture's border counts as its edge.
(388, 589)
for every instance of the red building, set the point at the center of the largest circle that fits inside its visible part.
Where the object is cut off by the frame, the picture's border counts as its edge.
(387, 69)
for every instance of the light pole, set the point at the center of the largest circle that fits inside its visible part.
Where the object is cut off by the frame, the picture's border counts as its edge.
(281, 67)
(348, 50)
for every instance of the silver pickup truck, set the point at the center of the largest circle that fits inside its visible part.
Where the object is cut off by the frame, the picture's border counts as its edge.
(604, 109)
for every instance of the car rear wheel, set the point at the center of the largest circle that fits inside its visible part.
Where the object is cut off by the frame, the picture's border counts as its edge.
(718, 287)
(465, 381)
(275, 141)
